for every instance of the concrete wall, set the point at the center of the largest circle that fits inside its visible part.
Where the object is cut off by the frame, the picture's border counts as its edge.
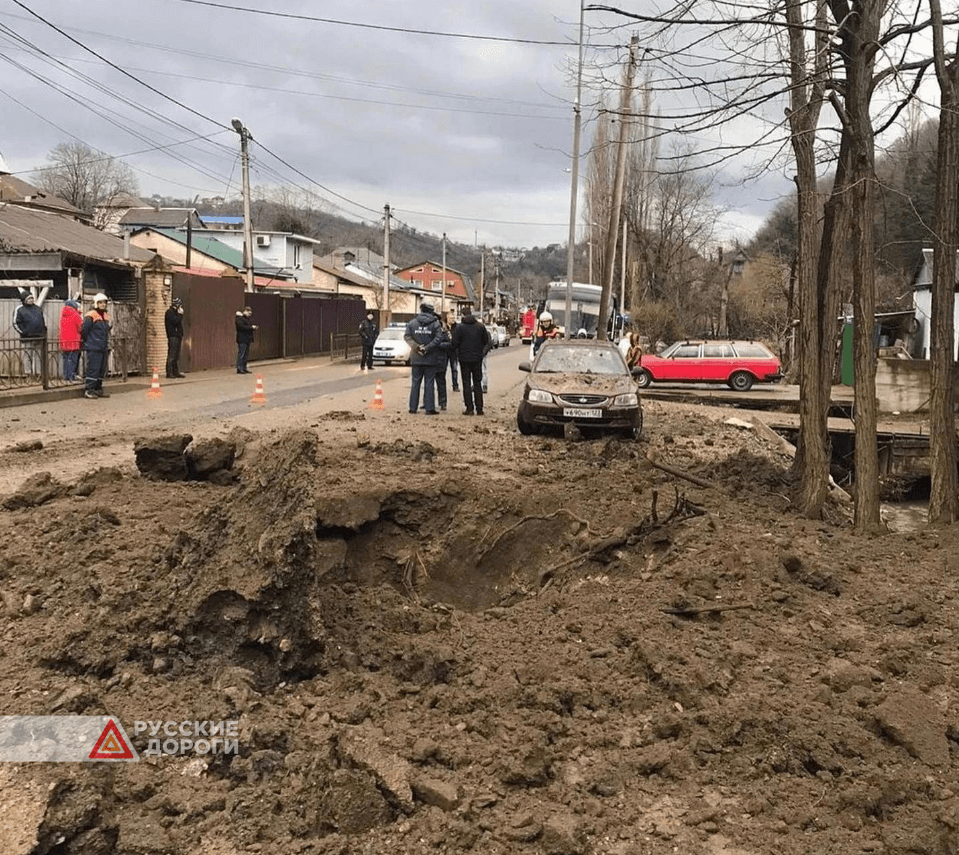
(902, 385)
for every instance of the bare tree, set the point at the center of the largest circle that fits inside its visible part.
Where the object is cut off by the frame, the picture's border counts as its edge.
(88, 179)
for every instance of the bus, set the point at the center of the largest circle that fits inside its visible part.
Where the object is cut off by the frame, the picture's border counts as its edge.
(585, 307)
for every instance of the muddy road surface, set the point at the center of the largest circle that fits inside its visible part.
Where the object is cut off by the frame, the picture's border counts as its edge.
(434, 635)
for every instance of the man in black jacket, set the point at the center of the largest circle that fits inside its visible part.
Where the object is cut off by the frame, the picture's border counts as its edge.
(173, 320)
(244, 338)
(29, 323)
(471, 342)
(368, 333)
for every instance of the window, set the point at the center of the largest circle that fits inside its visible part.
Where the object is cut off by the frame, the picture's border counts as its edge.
(416, 283)
(753, 351)
(717, 351)
(686, 351)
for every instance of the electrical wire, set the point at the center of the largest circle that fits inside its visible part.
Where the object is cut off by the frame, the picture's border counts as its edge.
(118, 68)
(408, 30)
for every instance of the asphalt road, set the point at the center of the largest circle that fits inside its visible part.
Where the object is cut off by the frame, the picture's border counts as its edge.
(210, 399)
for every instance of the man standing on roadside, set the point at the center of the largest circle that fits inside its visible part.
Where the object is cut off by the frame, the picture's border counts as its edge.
(245, 329)
(29, 323)
(368, 333)
(424, 335)
(173, 320)
(95, 335)
(471, 342)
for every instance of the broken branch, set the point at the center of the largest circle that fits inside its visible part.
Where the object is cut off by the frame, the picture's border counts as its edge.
(679, 473)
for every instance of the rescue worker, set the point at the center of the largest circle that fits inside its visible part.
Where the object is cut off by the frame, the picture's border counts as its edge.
(95, 336)
(424, 335)
(368, 333)
(173, 321)
(545, 331)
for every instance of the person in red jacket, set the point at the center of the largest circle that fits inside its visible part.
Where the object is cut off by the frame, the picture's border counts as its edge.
(70, 322)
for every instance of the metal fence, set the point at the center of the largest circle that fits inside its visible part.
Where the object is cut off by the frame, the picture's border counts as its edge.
(345, 346)
(18, 372)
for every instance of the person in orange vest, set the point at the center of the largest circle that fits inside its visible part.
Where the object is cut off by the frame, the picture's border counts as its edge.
(70, 322)
(544, 332)
(95, 336)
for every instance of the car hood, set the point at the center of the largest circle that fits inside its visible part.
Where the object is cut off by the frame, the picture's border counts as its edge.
(595, 384)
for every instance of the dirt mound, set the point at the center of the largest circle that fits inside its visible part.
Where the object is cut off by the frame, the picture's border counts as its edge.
(580, 653)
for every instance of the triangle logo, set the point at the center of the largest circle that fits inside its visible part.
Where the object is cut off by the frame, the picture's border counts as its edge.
(113, 745)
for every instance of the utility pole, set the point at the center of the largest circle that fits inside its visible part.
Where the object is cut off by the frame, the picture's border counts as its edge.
(443, 302)
(482, 279)
(622, 281)
(386, 264)
(245, 137)
(602, 332)
(574, 179)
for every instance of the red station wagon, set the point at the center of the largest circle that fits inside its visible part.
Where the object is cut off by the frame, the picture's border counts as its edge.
(738, 363)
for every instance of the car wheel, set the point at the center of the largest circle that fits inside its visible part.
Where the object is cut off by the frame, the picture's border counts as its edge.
(644, 380)
(526, 428)
(741, 381)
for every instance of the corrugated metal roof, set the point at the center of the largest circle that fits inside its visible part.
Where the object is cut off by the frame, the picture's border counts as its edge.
(28, 230)
(233, 221)
(347, 275)
(206, 244)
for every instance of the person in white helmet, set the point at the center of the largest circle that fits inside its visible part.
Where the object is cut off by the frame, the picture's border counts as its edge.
(545, 331)
(95, 337)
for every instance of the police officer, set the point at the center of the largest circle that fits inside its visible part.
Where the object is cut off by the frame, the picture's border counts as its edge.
(424, 335)
(173, 321)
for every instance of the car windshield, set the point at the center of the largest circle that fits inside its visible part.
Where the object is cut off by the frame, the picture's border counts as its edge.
(395, 333)
(558, 359)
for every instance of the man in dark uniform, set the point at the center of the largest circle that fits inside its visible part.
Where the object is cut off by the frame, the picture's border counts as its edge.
(368, 333)
(245, 329)
(173, 320)
(424, 335)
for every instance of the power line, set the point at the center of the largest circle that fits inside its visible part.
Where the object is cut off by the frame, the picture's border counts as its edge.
(299, 72)
(118, 68)
(408, 30)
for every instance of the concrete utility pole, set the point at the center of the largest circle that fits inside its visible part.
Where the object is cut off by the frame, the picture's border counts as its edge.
(386, 264)
(602, 332)
(443, 303)
(482, 279)
(245, 137)
(574, 179)
(622, 280)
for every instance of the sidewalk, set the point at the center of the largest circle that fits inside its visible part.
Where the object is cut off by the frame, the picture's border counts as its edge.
(138, 383)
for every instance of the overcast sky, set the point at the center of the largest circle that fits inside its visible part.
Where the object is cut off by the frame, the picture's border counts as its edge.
(471, 136)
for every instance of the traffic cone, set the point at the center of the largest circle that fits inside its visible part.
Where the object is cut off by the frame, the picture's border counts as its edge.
(258, 396)
(155, 391)
(377, 402)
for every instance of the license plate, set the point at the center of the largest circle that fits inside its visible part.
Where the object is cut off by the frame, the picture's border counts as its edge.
(581, 413)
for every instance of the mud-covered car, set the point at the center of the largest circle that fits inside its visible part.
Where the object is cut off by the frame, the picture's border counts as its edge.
(580, 381)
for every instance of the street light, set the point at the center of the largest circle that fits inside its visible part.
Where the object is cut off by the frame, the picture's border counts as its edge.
(245, 137)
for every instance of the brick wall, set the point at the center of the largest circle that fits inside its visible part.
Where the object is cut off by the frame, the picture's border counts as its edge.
(158, 289)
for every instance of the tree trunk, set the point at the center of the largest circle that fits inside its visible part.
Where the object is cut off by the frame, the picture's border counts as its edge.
(943, 500)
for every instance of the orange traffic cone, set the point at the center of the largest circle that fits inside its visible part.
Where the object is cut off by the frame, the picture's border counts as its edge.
(155, 391)
(258, 396)
(377, 402)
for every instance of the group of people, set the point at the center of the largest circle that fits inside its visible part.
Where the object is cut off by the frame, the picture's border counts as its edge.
(433, 347)
(89, 333)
